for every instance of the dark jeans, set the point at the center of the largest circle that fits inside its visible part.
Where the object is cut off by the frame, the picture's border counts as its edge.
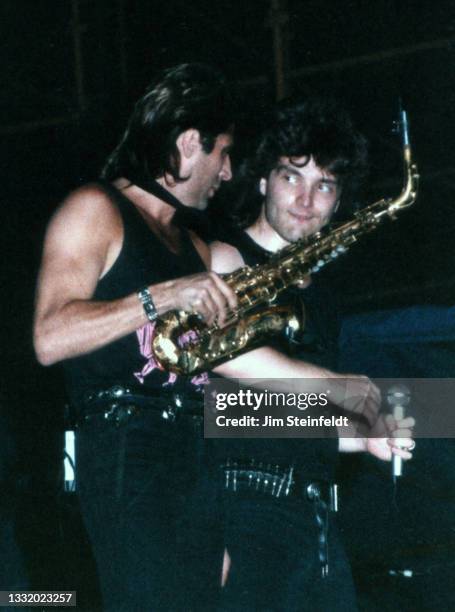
(147, 508)
(273, 545)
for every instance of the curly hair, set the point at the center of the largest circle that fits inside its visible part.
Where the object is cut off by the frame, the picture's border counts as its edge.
(187, 96)
(317, 128)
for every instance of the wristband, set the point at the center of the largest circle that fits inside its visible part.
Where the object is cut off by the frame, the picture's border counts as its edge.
(148, 305)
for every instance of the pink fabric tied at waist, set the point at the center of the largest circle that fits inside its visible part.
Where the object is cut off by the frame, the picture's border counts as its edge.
(145, 337)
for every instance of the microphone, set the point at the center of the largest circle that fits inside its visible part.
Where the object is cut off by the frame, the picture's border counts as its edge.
(398, 397)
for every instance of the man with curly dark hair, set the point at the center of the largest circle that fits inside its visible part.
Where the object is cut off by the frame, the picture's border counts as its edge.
(281, 553)
(317, 132)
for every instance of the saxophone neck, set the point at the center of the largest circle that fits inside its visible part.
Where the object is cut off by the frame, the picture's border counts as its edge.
(408, 194)
(410, 188)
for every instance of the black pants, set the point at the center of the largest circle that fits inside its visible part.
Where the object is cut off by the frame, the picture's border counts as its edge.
(274, 548)
(273, 545)
(148, 513)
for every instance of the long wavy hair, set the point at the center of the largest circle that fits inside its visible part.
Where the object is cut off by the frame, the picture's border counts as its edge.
(188, 96)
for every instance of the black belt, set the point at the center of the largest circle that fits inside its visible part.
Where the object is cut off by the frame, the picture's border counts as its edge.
(276, 481)
(118, 404)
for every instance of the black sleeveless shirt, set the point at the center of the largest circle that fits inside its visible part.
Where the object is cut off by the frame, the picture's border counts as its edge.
(318, 341)
(315, 457)
(142, 261)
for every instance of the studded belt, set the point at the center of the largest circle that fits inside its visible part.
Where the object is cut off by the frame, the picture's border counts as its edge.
(276, 481)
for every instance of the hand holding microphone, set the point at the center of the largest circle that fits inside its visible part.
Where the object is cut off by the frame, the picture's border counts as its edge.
(398, 398)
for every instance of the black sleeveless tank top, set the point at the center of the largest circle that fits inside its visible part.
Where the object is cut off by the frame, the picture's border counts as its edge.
(318, 340)
(315, 457)
(143, 260)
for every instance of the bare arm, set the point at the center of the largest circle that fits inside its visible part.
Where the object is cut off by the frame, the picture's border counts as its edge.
(83, 240)
(394, 437)
(390, 438)
(263, 362)
(359, 396)
(225, 258)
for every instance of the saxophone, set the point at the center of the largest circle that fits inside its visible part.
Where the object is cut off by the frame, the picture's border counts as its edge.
(183, 344)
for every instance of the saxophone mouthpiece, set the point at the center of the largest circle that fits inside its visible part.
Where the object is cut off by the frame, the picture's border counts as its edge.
(404, 127)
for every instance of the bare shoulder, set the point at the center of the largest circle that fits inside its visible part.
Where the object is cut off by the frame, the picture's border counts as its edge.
(87, 226)
(225, 257)
(85, 205)
(86, 214)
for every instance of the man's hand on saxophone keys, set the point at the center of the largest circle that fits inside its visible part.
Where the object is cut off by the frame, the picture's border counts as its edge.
(204, 294)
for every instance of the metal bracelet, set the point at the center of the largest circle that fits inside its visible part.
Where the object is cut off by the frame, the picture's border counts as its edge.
(148, 305)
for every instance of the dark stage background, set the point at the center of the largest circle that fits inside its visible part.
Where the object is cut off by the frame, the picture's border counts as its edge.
(391, 530)
(70, 72)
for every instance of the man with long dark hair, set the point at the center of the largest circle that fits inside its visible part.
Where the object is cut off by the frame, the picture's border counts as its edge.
(117, 254)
